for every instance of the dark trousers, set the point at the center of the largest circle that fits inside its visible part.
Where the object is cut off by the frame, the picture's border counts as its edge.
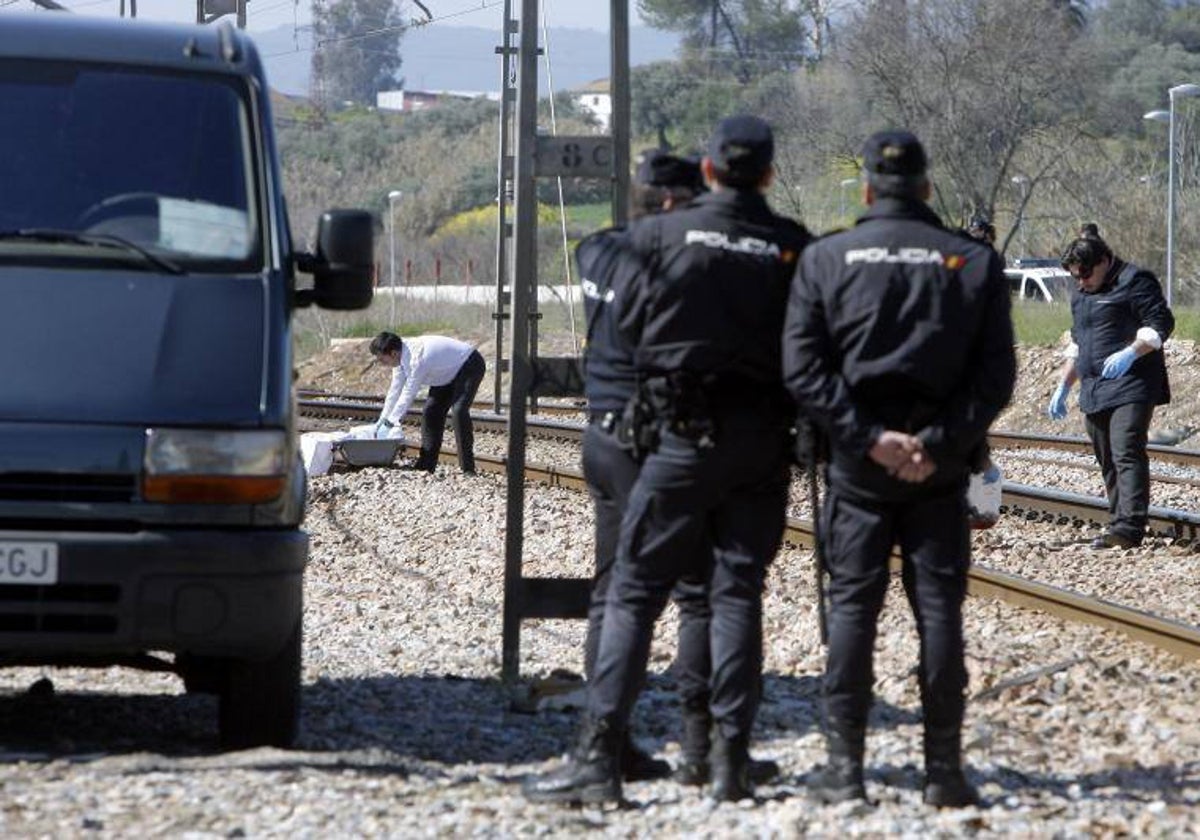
(935, 546)
(706, 512)
(457, 396)
(1119, 440)
(610, 473)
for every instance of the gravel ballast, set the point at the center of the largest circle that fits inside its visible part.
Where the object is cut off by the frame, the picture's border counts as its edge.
(407, 732)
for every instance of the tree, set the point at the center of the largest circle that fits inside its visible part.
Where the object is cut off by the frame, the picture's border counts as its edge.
(357, 49)
(981, 82)
(748, 38)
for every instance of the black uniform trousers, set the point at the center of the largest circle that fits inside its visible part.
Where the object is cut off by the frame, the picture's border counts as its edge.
(729, 499)
(457, 396)
(935, 546)
(1119, 440)
(610, 472)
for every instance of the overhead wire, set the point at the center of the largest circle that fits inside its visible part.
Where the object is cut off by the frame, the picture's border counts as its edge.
(384, 30)
(562, 207)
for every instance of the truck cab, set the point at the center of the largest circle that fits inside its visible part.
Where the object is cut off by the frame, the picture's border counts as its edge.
(151, 494)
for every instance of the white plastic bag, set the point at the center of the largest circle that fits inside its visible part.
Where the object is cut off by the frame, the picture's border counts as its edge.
(316, 448)
(983, 497)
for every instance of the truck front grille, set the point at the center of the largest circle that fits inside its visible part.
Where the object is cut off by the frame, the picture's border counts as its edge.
(65, 608)
(67, 487)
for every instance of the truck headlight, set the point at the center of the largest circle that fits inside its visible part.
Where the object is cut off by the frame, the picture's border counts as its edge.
(204, 466)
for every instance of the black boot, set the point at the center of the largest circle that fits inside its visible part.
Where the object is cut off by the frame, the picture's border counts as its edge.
(730, 760)
(637, 765)
(841, 779)
(695, 743)
(590, 774)
(945, 784)
(694, 769)
(426, 461)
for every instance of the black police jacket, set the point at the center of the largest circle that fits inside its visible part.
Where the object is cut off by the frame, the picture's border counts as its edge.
(902, 324)
(605, 264)
(1105, 322)
(709, 301)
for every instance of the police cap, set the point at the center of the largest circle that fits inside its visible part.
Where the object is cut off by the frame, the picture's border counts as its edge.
(742, 144)
(657, 168)
(894, 153)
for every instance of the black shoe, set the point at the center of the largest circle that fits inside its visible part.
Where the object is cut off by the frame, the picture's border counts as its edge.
(841, 779)
(1111, 540)
(945, 784)
(692, 773)
(948, 788)
(589, 775)
(697, 773)
(730, 763)
(838, 781)
(637, 765)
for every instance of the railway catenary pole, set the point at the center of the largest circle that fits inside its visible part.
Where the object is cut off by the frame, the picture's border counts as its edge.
(618, 91)
(588, 156)
(504, 173)
(524, 282)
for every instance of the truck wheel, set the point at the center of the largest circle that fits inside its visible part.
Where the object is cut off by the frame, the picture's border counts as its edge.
(260, 700)
(201, 674)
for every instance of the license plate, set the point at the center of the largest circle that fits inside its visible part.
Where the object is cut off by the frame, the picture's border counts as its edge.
(30, 563)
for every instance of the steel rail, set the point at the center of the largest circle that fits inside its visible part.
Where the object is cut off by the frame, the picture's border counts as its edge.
(1020, 440)
(313, 395)
(1092, 466)
(1034, 502)
(1179, 639)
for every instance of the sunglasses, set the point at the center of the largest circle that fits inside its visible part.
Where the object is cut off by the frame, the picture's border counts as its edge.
(1084, 274)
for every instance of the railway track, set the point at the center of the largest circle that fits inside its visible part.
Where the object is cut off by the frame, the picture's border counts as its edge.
(1031, 502)
(1177, 638)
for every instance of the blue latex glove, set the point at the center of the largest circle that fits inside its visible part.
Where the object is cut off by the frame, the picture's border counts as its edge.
(1058, 402)
(1118, 363)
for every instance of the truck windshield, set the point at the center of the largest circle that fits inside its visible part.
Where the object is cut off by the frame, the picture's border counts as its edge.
(160, 160)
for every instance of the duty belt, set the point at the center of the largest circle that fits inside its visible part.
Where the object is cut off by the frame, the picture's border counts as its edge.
(606, 420)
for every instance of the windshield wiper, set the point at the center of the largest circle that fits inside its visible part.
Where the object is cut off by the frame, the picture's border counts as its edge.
(100, 240)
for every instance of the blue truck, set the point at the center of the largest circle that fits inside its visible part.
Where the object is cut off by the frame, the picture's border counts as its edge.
(151, 493)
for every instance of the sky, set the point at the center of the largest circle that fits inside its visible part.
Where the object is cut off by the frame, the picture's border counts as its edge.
(262, 15)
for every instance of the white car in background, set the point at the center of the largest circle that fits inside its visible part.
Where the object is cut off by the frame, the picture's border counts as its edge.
(1043, 282)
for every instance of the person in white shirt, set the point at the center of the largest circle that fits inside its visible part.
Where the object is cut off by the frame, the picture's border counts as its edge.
(452, 369)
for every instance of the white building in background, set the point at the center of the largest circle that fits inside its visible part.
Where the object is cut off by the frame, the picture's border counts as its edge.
(421, 100)
(595, 98)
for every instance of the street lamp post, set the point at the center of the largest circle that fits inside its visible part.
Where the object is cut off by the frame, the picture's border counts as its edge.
(1022, 182)
(393, 197)
(846, 182)
(1172, 94)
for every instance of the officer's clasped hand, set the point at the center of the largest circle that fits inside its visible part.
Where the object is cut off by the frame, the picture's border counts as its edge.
(1118, 363)
(1058, 402)
(903, 456)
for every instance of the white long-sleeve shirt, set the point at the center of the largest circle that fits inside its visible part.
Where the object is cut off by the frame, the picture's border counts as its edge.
(425, 360)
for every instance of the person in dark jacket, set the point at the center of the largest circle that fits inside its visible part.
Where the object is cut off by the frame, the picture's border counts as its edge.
(705, 316)
(898, 345)
(1119, 323)
(662, 182)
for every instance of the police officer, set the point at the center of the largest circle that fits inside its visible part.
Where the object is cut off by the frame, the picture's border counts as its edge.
(898, 345)
(662, 182)
(706, 314)
(1119, 323)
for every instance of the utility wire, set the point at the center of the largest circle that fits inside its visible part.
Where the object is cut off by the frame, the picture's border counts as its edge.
(384, 30)
(562, 208)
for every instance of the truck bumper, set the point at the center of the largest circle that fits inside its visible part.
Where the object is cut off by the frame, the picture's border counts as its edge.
(212, 593)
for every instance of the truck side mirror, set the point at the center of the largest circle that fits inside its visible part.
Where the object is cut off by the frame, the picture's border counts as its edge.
(344, 264)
